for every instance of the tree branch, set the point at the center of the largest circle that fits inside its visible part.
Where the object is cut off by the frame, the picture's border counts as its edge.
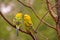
(36, 14)
(40, 21)
(51, 11)
(44, 17)
(15, 26)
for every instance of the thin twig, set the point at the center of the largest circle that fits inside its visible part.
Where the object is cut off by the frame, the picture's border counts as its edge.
(44, 17)
(40, 21)
(37, 15)
(51, 11)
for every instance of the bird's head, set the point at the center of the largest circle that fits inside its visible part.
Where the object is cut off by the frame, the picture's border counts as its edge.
(18, 16)
(26, 16)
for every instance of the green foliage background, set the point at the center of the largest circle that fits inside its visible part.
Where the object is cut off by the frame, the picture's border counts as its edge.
(9, 33)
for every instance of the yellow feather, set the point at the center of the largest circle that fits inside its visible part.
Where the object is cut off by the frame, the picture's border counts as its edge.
(27, 20)
(18, 15)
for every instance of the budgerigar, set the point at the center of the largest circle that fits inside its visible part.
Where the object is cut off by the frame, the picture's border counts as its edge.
(17, 21)
(28, 23)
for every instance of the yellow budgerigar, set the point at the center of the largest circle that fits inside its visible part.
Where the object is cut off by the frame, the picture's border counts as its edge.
(28, 23)
(17, 21)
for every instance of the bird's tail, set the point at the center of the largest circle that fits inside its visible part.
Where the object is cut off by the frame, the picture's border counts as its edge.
(17, 31)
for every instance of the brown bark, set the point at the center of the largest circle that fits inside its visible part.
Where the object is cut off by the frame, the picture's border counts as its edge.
(53, 15)
(58, 19)
(58, 30)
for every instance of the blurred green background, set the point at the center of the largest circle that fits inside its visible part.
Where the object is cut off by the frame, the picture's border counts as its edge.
(9, 33)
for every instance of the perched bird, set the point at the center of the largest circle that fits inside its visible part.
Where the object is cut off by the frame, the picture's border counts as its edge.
(28, 24)
(17, 21)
